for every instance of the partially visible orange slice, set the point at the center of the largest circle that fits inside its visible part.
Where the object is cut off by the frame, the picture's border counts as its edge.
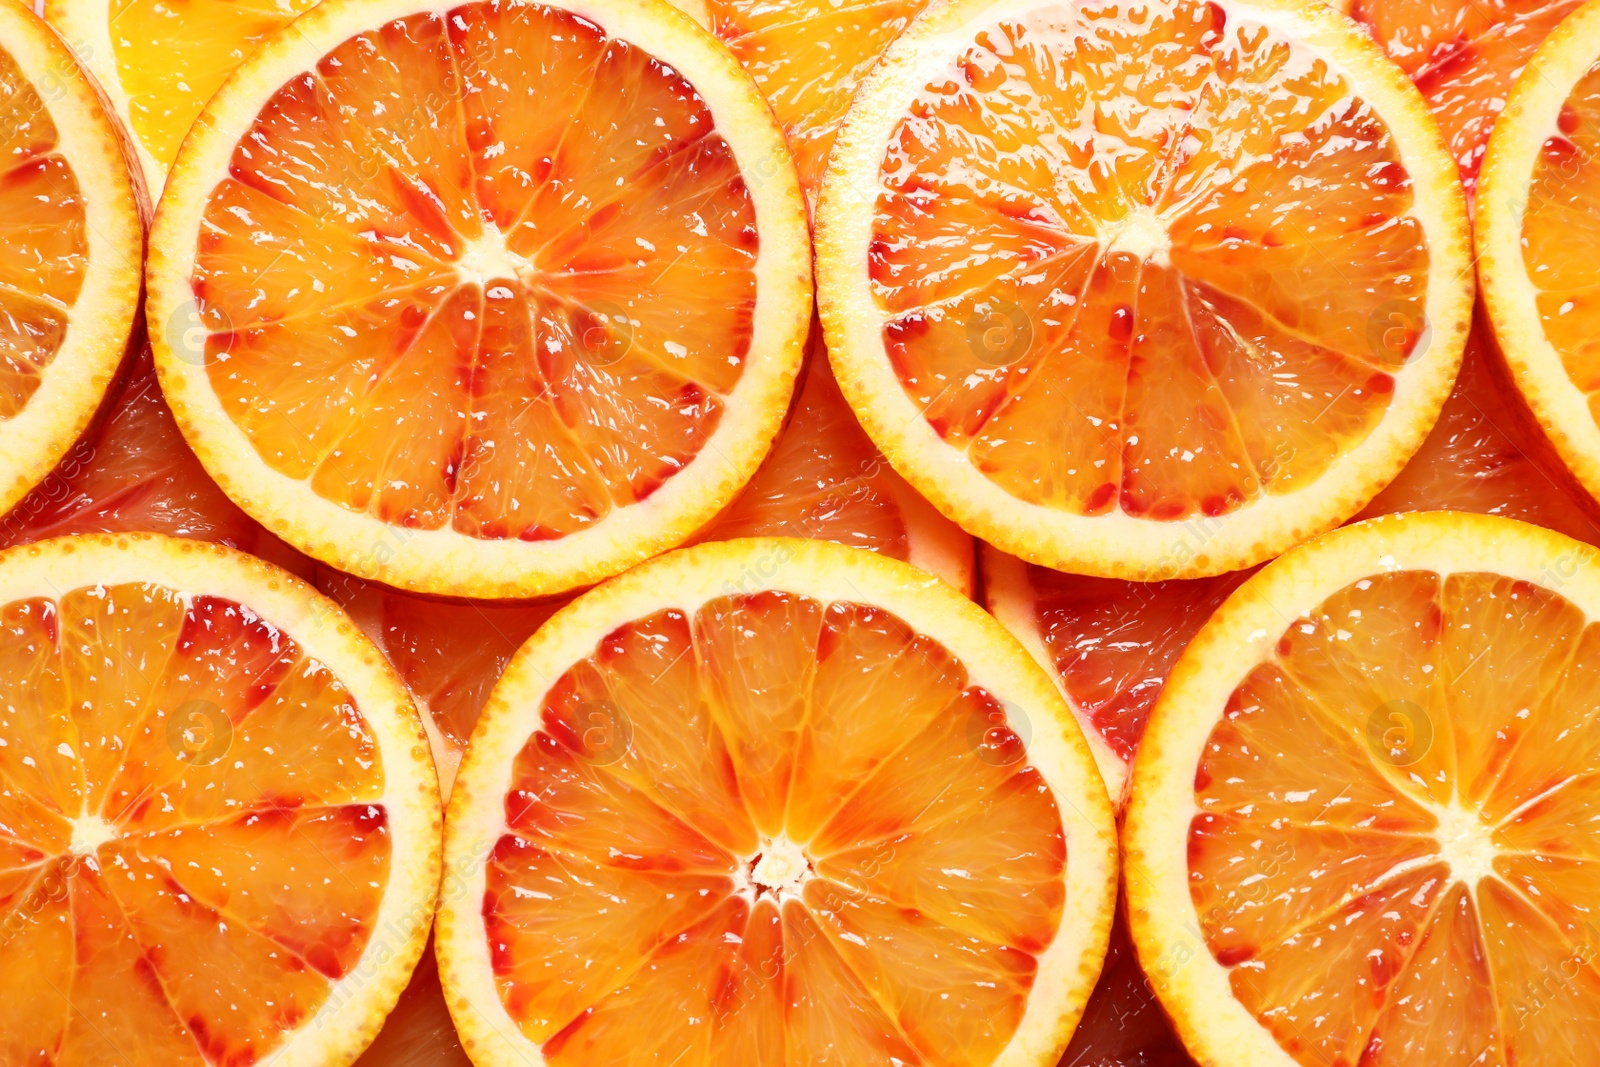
(1464, 55)
(219, 830)
(773, 801)
(1537, 202)
(159, 62)
(807, 56)
(133, 472)
(1362, 823)
(71, 243)
(472, 345)
(824, 480)
(1108, 643)
(1134, 332)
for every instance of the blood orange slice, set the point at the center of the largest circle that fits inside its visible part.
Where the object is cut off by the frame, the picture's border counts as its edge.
(774, 801)
(1142, 336)
(159, 62)
(133, 472)
(473, 346)
(1537, 201)
(1362, 813)
(219, 830)
(71, 242)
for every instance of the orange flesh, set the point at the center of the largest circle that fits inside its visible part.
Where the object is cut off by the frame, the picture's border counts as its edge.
(1123, 1025)
(192, 839)
(1557, 230)
(44, 244)
(1410, 736)
(1117, 302)
(133, 471)
(172, 56)
(686, 762)
(1464, 56)
(490, 336)
(808, 57)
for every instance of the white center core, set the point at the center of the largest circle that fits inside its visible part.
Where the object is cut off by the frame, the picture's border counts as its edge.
(1141, 234)
(1465, 843)
(487, 257)
(89, 832)
(782, 868)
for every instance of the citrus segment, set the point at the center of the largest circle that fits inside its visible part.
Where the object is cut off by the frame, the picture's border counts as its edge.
(432, 315)
(71, 242)
(1346, 834)
(826, 480)
(835, 842)
(220, 796)
(1017, 224)
(1533, 228)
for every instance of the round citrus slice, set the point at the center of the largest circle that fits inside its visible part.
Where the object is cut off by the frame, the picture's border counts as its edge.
(133, 472)
(159, 62)
(71, 243)
(1536, 203)
(219, 830)
(826, 481)
(1108, 643)
(1140, 333)
(1362, 823)
(422, 328)
(769, 801)
(1464, 56)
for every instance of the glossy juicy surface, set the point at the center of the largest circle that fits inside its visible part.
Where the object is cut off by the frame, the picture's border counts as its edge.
(1396, 833)
(1142, 312)
(491, 272)
(44, 241)
(772, 830)
(193, 844)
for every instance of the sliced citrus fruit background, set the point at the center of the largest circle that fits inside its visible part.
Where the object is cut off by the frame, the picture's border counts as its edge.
(71, 243)
(524, 347)
(1464, 56)
(219, 829)
(837, 813)
(1537, 203)
(1141, 335)
(131, 472)
(1123, 1026)
(159, 62)
(1362, 814)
